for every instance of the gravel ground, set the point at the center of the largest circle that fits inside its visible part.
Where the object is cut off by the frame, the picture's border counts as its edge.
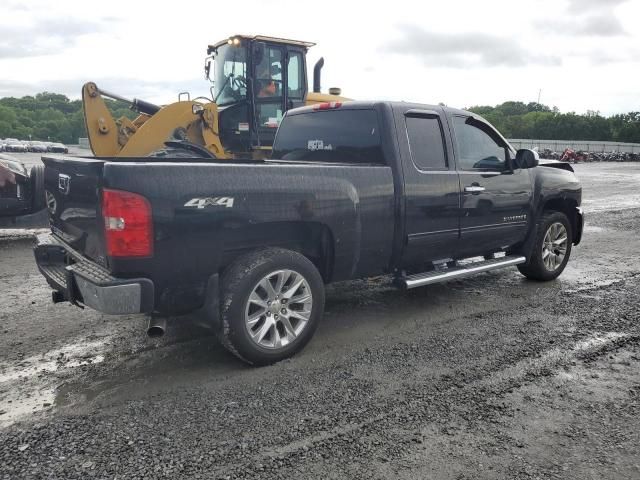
(489, 377)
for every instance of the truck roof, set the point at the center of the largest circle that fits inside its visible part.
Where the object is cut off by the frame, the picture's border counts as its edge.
(363, 104)
(395, 105)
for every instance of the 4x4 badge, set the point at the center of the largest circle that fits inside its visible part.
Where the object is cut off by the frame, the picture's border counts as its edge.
(210, 202)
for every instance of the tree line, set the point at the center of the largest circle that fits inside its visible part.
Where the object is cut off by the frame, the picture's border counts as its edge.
(53, 117)
(537, 121)
(48, 117)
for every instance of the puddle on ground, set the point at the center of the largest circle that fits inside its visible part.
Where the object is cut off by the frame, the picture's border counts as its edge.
(598, 341)
(597, 283)
(551, 358)
(18, 404)
(30, 385)
(613, 202)
(68, 356)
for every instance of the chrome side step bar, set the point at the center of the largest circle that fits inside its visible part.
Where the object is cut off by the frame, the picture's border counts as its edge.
(436, 276)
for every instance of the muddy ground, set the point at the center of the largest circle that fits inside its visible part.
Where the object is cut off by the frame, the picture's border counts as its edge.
(488, 377)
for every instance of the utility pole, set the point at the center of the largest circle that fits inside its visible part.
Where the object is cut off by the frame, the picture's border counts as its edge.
(535, 119)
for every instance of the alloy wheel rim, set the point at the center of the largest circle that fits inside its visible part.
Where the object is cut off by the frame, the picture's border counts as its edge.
(278, 309)
(554, 246)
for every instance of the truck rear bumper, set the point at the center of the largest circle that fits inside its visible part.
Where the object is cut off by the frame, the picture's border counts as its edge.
(78, 280)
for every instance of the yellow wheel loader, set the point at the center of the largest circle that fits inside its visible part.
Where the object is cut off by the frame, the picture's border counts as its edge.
(255, 80)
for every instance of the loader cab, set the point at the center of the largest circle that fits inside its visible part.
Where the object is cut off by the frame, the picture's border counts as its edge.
(256, 80)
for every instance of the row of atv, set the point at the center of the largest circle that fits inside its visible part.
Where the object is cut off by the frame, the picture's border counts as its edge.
(580, 156)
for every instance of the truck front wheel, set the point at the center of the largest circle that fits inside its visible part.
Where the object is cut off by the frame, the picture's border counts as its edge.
(551, 248)
(270, 306)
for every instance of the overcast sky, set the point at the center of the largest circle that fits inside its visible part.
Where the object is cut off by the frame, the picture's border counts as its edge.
(583, 54)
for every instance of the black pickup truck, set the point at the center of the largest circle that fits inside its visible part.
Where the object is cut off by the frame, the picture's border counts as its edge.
(425, 193)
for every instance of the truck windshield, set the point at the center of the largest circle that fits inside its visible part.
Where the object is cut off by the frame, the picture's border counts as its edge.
(230, 74)
(336, 136)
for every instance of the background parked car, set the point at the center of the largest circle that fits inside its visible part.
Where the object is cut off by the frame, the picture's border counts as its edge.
(15, 146)
(5, 143)
(57, 148)
(37, 147)
(21, 190)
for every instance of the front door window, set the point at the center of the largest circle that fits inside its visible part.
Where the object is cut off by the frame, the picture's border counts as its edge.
(476, 149)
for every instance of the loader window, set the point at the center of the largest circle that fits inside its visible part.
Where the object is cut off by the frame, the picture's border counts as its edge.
(334, 136)
(230, 65)
(269, 73)
(269, 91)
(294, 76)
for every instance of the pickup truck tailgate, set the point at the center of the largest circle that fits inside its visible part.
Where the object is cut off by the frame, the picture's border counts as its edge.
(72, 188)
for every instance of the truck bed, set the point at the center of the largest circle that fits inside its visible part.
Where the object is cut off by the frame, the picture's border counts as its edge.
(206, 213)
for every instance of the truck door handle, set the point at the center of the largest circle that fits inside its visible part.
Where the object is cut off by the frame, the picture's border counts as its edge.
(474, 189)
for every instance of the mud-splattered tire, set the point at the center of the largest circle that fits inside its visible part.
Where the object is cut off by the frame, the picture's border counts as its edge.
(551, 248)
(271, 303)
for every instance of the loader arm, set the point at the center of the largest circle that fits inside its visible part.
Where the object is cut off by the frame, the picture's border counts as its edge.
(101, 127)
(196, 122)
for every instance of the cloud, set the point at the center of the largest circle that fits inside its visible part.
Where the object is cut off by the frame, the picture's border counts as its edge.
(593, 26)
(465, 50)
(16, 6)
(605, 56)
(583, 6)
(45, 36)
(155, 91)
(594, 18)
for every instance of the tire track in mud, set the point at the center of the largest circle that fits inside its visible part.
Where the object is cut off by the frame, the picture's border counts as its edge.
(397, 427)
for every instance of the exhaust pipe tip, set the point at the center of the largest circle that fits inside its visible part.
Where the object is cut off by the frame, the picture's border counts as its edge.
(157, 327)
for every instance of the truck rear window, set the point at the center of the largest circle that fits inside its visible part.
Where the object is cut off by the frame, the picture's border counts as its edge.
(336, 136)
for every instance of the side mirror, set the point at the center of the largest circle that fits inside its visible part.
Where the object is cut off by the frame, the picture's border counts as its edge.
(207, 68)
(526, 158)
(275, 70)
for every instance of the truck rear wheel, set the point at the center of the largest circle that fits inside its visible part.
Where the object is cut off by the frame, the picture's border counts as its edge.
(271, 303)
(551, 249)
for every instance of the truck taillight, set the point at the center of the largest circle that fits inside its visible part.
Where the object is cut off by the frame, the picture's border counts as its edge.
(327, 105)
(128, 224)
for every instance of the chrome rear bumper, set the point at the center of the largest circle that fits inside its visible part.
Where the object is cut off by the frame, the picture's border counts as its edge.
(78, 280)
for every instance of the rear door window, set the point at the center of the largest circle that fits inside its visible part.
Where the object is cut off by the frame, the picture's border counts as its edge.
(426, 143)
(336, 136)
